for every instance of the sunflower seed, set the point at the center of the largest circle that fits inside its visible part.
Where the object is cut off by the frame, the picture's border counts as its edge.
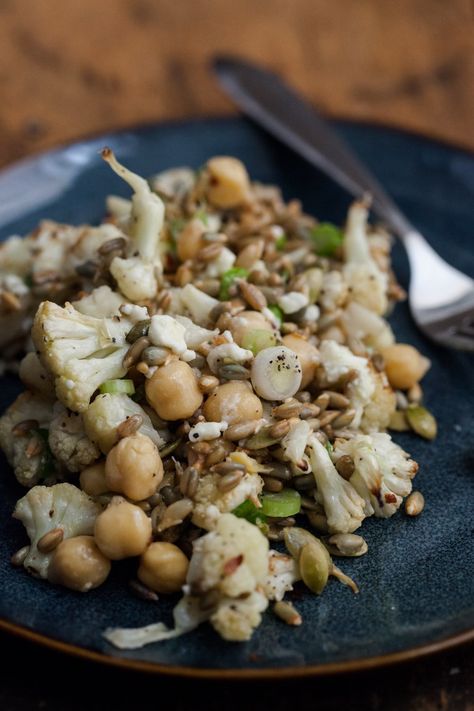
(309, 411)
(169, 495)
(286, 612)
(138, 331)
(337, 401)
(209, 253)
(279, 429)
(226, 467)
(378, 362)
(175, 514)
(189, 482)
(322, 401)
(157, 514)
(240, 431)
(117, 243)
(287, 409)
(280, 470)
(345, 466)
(207, 383)
(318, 521)
(215, 456)
(130, 425)
(87, 269)
(271, 484)
(344, 419)
(233, 371)
(18, 558)
(168, 448)
(229, 481)
(309, 504)
(347, 545)
(328, 416)
(50, 540)
(21, 429)
(253, 296)
(305, 482)
(415, 503)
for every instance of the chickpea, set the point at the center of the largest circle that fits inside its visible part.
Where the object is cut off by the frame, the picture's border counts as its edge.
(228, 182)
(233, 402)
(92, 479)
(134, 467)
(190, 240)
(123, 530)
(173, 391)
(78, 564)
(307, 353)
(404, 365)
(163, 567)
(248, 321)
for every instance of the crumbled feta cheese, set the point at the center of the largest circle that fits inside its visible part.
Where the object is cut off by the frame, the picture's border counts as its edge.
(311, 313)
(207, 431)
(166, 331)
(232, 351)
(221, 264)
(292, 302)
(134, 313)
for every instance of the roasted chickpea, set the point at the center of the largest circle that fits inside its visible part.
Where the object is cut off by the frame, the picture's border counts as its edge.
(134, 467)
(229, 183)
(404, 365)
(123, 530)
(190, 240)
(92, 479)
(248, 321)
(163, 567)
(307, 353)
(78, 564)
(173, 391)
(233, 402)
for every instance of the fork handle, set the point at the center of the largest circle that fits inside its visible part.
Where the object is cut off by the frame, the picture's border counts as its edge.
(271, 103)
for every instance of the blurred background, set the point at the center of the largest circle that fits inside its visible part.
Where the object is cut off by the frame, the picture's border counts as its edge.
(74, 67)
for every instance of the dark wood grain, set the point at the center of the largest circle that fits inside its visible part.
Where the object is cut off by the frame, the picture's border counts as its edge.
(73, 68)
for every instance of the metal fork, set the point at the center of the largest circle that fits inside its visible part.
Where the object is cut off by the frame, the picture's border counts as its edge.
(441, 297)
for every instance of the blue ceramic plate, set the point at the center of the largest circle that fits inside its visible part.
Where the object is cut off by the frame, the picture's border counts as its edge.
(417, 590)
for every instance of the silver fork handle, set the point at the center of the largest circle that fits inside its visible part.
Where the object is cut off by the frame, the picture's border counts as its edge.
(295, 122)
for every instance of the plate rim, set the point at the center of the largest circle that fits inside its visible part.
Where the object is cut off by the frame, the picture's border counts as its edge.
(307, 670)
(286, 672)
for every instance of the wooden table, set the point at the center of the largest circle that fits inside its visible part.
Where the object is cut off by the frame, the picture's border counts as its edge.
(76, 67)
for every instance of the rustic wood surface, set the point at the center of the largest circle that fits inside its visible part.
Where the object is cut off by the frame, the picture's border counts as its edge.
(72, 68)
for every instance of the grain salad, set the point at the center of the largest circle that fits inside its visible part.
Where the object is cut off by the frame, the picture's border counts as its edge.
(209, 384)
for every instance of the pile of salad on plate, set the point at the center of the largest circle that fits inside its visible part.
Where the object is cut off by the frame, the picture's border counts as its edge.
(207, 373)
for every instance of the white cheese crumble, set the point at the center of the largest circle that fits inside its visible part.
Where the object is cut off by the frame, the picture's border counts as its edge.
(292, 302)
(221, 264)
(232, 351)
(134, 313)
(311, 313)
(207, 430)
(166, 332)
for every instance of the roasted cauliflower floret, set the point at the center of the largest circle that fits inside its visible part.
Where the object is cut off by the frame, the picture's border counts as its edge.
(100, 303)
(81, 351)
(343, 506)
(383, 471)
(35, 377)
(366, 282)
(283, 571)
(107, 412)
(233, 561)
(69, 442)
(136, 275)
(211, 503)
(26, 447)
(369, 392)
(45, 508)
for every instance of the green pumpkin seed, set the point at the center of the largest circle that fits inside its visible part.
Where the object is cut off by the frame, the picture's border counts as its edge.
(398, 422)
(139, 330)
(421, 421)
(314, 566)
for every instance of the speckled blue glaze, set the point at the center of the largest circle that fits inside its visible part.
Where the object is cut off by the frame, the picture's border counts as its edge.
(417, 580)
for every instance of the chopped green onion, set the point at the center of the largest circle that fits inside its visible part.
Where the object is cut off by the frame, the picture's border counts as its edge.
(257, 339)
(329, 447)
(176, 226)
(278, 313)
(201, 214)
(286, 502)
(228, 278)
(280, 243)
(326, 238)
(119, 386)
(250, 512)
